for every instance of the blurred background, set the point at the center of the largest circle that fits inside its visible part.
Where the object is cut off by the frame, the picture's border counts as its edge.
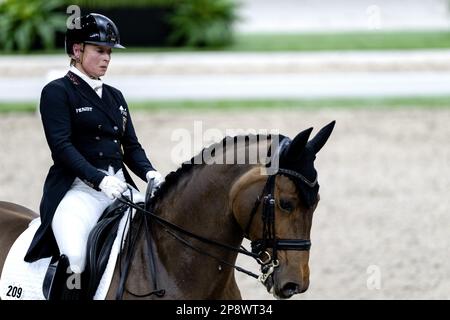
(380, 68)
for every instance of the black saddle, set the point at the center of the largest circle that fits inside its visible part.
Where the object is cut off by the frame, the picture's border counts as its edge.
(100, 243)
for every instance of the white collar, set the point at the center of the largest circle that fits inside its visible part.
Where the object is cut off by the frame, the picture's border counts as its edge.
(95, 84)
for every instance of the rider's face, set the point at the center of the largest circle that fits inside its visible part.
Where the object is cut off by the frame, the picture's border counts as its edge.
(94, 59)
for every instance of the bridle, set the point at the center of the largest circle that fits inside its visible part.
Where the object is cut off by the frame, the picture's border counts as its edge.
(259, 247)
(268, 238)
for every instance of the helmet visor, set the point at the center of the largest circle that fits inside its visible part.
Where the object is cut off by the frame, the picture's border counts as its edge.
(106, 44)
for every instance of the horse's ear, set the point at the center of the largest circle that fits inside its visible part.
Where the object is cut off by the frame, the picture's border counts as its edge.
(299, 142)
(321, 137)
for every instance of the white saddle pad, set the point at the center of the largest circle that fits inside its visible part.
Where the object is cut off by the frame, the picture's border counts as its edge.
(21, 280)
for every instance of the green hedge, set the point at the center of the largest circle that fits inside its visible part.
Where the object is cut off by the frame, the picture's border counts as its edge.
(203, 23)
(25, 23)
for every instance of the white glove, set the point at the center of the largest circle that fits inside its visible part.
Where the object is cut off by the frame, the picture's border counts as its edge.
(113, 187)
(158, 179)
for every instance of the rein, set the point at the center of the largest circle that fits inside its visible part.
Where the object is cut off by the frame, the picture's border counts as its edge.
(175, 227)
(130, 253)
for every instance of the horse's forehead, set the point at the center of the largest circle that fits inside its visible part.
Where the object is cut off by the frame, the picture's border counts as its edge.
(285, 185)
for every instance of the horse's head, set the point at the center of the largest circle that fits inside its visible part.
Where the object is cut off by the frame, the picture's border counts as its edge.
(275, 211)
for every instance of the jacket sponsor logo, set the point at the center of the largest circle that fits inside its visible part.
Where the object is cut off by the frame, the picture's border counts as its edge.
(83, 109)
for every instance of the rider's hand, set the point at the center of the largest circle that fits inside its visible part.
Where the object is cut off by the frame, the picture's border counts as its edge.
(113, 187)
(158, 179)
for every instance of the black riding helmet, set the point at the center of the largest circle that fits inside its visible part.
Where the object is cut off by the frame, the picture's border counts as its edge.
(93, 28)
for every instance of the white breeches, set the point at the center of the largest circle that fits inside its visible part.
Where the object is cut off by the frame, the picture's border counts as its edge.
(76, 215)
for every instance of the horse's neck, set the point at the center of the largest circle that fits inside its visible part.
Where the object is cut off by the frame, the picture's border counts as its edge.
(200, 204)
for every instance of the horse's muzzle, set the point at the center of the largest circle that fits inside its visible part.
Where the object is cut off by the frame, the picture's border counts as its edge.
(286, 287)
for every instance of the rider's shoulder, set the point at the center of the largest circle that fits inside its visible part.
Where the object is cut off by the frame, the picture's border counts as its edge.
(56, 84)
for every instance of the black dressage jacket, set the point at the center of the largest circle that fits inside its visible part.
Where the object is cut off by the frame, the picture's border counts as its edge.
(85, 133)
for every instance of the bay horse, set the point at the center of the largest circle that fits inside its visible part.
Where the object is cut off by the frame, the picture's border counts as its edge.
(200, 215)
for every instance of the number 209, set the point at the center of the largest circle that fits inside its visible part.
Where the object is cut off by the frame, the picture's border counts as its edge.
(15, 292)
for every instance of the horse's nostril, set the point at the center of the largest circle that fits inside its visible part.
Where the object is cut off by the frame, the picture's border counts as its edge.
(290, 288)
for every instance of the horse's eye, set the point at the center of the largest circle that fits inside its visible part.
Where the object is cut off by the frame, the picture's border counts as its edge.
(286, 205)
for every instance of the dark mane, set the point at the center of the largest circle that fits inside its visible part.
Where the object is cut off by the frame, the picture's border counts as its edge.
(198, 161)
